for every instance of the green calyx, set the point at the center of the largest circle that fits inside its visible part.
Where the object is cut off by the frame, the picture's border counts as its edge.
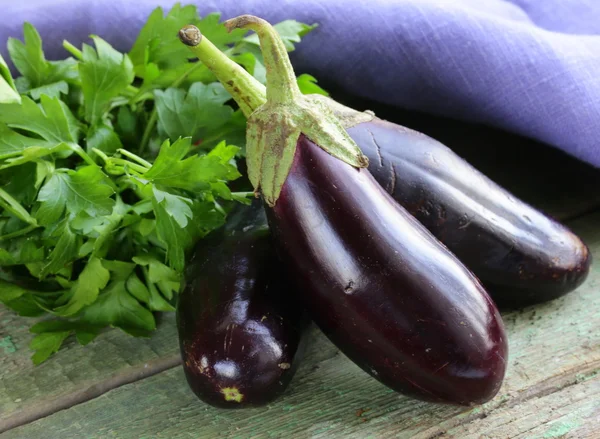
(275, 125)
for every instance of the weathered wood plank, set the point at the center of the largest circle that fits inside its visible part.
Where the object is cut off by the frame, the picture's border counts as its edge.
(77, 373)
(552, 347)
(573, 412)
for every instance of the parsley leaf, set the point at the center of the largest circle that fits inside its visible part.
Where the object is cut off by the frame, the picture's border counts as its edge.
(308, 85)
(28, 57)
(52, 333)
(116, 307)
(46, 344)
(157, 44)
(64, 252)
(51, 90)
(193, 173)
(86, 189)
(104, 73)
(92, 279)
(196, 113)
(52, 120)
(8, 91)
(171, 212)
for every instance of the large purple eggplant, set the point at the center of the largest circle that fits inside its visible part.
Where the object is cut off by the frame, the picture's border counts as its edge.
(520, 254)
(382, 288)
(376, 282)
(240, 329)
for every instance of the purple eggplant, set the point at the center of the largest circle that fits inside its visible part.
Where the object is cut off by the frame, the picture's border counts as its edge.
(377, 283)
(520, 254)
(382, 288)
(240, 328)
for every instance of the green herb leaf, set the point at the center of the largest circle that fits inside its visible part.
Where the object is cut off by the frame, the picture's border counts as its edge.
(157, 43)
(8, 91)
(176, 239)
(104, 138)
(52, 333)
(308, 85)
(175, 206)
(104, 73)
(86, 189)
(53, 90)
(92, 279)
(64, 252)
(116, 307)
(46, 344)
(28, 57)
(197, 113)
(52, 120)
(193, 173)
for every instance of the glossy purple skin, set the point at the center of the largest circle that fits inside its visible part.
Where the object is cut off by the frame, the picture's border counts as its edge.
(521, 255)
(240, 328)
(382, 288)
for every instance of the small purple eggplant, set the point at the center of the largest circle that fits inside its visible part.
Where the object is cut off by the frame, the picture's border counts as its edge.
(240, 327)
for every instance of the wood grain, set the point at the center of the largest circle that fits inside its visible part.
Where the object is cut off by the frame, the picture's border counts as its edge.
(76, 373)
(573, 412)
(554, 348)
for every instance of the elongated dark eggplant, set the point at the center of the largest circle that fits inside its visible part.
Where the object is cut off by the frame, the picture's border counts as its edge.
(520, 254)
(240, 327)
(382, 288)
(374, 279)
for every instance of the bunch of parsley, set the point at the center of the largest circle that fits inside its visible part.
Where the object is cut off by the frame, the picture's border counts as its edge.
(111, 166)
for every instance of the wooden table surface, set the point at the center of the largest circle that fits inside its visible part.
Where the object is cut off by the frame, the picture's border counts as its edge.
(121, 387)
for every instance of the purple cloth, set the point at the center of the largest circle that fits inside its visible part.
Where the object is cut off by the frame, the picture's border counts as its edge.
(528, 66)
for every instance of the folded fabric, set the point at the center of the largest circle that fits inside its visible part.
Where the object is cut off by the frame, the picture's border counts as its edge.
(527, 66)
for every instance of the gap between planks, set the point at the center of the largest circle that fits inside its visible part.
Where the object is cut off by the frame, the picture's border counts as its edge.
(128, 376)
(159, 365)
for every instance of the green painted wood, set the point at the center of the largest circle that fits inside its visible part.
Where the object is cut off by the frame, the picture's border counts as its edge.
(554, 348)
(77, 373)
(573, 412)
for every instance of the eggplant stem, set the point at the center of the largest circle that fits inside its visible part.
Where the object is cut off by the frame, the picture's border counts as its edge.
(282, 86)
(247, 91)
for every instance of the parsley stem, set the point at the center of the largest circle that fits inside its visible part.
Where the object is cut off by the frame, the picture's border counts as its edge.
(148, 130)
(81, 153)
(132, 90)
(101, 154)
(131, 165)
(21, 232)
(73, 50)
(138, 159)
